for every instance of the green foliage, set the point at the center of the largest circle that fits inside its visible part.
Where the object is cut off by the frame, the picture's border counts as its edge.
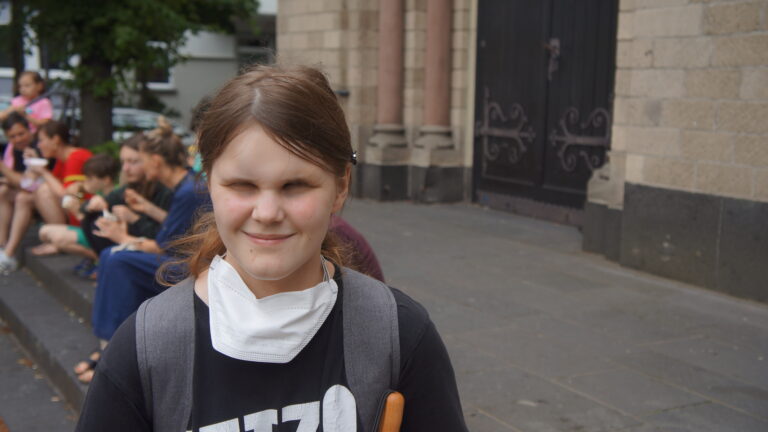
(109, 147)
(128, 34)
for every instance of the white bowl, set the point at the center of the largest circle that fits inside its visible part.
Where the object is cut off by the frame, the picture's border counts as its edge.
(36, 162)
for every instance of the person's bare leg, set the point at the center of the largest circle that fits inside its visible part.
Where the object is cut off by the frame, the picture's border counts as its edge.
(65, 240)
(46, 234)
(48, 205)
(22, 217)
(7, 196)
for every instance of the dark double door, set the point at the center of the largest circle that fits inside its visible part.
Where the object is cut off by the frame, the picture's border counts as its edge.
(545, 73)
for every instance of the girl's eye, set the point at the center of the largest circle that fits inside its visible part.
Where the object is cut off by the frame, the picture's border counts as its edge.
(241, 186)
(295, 185)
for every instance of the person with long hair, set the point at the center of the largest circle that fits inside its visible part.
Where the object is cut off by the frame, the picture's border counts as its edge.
(66, 177)
(126, 275)
(270, 328)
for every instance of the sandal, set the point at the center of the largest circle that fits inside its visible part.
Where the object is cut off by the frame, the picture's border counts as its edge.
(87, 365)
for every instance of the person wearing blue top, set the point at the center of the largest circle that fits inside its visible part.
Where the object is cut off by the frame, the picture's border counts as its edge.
(127, 271)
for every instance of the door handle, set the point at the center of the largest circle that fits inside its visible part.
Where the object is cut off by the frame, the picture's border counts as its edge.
(553, 47)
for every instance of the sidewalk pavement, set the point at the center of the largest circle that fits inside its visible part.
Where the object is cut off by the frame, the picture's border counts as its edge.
(544, 337)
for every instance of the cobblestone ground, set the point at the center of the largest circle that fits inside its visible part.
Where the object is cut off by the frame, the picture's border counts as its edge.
(544, 337)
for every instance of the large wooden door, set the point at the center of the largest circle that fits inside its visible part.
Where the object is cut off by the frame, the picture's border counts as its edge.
(545, 73)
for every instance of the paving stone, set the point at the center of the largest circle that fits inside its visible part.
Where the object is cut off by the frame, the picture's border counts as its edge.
(28, 401)
(716, 387)
(529, 403)
(467, 360)
(632, 392)
(706, 417)
(540, 356)
(481, 422)
(725, 359)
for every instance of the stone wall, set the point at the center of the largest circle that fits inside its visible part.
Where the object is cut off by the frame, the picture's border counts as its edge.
(342, 36)
(685, 194)
(691, 107)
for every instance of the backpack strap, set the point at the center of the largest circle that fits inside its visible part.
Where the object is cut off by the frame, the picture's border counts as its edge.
(165, 345)
(371, 342)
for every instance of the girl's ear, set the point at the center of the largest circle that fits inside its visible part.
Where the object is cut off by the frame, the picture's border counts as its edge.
(342, 190)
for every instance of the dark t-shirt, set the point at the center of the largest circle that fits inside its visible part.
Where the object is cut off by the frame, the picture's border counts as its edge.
(145, 226)
(256, 396)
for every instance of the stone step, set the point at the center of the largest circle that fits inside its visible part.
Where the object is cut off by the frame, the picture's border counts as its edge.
(56, 272)
(47, 310)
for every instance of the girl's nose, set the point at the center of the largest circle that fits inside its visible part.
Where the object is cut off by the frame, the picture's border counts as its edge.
(267, 207)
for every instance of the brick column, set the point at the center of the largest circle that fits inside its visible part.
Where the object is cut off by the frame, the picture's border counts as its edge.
(436, 132)
(436, 174)
(385, 169)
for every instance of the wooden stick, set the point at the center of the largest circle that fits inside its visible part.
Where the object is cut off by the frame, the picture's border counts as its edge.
(392, 416)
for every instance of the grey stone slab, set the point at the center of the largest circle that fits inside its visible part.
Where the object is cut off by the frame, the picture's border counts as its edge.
(631, 391)
(706, 417)
(451, 317)
(743, 334)
(644, 321)
(541, 356)
(725, 359)
(54, 337)
(743, 252)
(467, 360)
(718, 388)
(529, 403)
(670, 233)
(478, 421)
(28, 402)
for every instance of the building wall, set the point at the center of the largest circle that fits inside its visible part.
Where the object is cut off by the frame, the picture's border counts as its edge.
(342, 36)
(211, 62)
(687, 189)
(691, 108)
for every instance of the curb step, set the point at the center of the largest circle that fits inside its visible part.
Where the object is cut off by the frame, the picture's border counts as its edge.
(55, 273)
(46, 306)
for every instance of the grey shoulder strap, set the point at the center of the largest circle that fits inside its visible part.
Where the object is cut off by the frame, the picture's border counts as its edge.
(165, 338)
(371, 342)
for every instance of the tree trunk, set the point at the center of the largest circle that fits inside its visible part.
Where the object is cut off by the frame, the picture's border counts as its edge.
(16, 41)
(96, 107)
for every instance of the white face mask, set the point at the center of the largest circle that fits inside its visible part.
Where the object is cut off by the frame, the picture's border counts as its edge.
(273, 329)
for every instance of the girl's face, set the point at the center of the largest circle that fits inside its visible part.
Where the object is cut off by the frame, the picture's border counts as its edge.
(132, 169)
(29, 88)
(272, 208)
(151, 165)
(47, 145)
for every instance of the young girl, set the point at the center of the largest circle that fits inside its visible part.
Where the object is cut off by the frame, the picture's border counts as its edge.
(31, 103)
(65, 178)
(126, 275)
(100, 174)
(255, 338)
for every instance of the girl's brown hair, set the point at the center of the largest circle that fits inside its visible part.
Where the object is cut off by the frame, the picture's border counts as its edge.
(52, 128)
(297, 108)
(162, 141)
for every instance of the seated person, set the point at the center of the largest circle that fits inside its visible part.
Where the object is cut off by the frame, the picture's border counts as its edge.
(12, 167)
(355, 249)
(31, 102)
(100, 174)
(66, 177)
(141, 203)
(126, 274)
